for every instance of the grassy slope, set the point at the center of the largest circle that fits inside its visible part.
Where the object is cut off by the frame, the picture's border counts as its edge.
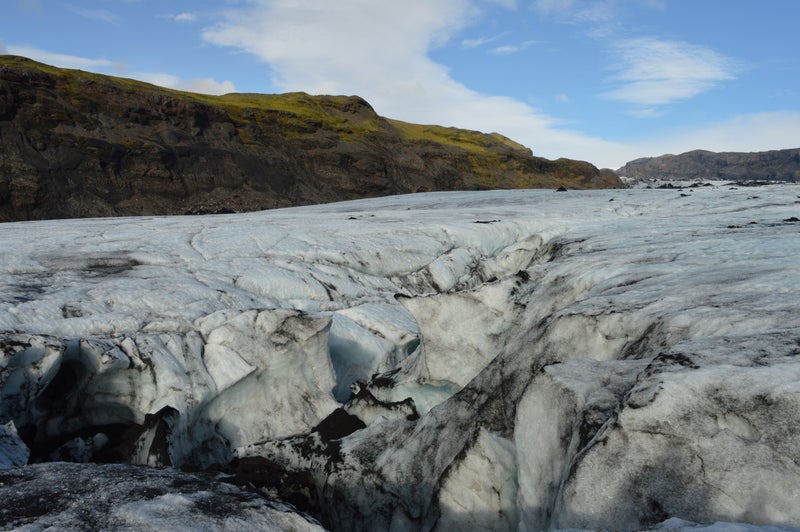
(296, 110)
(486, 160)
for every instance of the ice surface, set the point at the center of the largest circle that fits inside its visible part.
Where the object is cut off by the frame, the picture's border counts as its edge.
(13, 452)
(700, 439)
(676, 524)
(483, 486)
(64, 496)
(522, 360)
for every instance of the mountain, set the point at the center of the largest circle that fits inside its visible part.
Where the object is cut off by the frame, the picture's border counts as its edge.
(484, 360)
(76, 144)
(777, 165)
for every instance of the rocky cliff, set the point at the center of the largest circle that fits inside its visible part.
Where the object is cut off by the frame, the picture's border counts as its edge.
(77, 144)
(776, 165)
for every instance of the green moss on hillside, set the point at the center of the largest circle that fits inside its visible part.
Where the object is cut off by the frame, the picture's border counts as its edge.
(297, 113)
(85, 144)
(472, 141)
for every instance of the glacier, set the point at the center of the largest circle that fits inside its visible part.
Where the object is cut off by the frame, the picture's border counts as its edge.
(495, 360)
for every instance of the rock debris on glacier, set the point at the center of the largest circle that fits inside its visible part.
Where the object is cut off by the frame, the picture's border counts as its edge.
(495, 360)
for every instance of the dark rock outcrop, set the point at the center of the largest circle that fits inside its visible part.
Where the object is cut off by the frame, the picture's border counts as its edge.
(776, 165)
(76, 144)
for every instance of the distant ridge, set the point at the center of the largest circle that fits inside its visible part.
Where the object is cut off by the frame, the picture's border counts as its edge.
(77, 144)
(776, 165)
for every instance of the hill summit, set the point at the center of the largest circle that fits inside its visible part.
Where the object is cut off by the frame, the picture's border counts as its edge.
(775, 165)
(78, 144)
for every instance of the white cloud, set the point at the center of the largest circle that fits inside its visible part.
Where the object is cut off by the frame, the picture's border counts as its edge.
(750, 132)
(743, 133)
(378, 49)
(207, 86)
(578, 10)
(317, 42)
(157, 78)
(185, 17)
(59, 60)
(480, 41)
(508, 4)
(513, 48)
(562, 98)
(507, 49)
(592, 11)
(198, 85)
(657, 72)
(647, 112)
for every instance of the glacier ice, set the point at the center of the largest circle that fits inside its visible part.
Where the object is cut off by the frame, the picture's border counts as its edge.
(504, 360)
(13, 451)
(64, 496)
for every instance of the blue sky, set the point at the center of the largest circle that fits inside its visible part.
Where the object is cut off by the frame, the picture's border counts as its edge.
(600, 80)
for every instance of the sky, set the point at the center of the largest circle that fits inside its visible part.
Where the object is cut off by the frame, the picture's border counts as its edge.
(606, 81)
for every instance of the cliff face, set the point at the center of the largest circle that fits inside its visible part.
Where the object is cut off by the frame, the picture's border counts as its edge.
(76, 144)
(778, 165)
